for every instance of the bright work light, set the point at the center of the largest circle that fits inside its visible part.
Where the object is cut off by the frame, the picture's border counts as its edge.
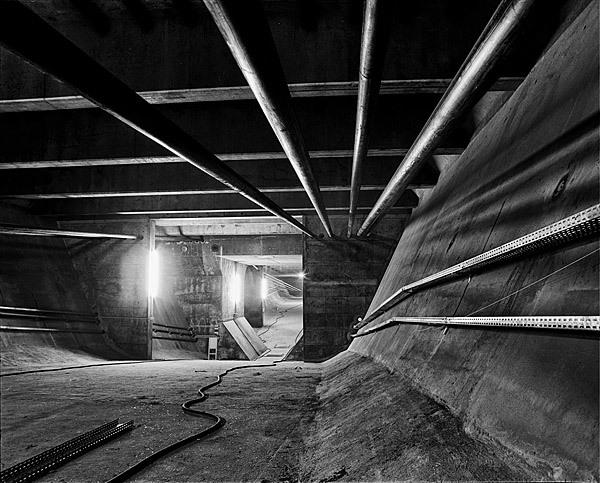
(264, 288)
(236, 290)
(153, 274)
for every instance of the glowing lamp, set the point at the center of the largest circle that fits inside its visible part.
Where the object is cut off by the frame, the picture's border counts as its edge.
(153, 274)
(264, 288)
(236, 289)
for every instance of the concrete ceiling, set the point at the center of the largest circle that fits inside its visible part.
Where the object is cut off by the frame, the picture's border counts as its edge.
(73, 163)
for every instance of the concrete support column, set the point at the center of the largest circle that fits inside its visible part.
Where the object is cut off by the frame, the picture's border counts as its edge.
(341, 278)
(151, 250)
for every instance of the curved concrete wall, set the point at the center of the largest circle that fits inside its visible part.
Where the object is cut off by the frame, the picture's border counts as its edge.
(37, 273)
(535, 163)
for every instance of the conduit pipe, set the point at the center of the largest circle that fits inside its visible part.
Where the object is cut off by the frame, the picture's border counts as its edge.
(246, 31)
(28, 312)
(375, 37)
(9, 328)
(26, 231)
(556, 322)
(498, 36)
(52, 53)
(573, 228)
(175, 332)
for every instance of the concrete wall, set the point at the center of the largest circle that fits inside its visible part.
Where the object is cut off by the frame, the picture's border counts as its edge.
(37, 273)
(233, 273)
(253, 304)
(192, 273)
(341, 278)
(114, 276)
(192, 287)
(168, 311)
(533, 391)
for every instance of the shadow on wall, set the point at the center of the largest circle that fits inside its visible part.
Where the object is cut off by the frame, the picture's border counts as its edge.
(40, 273)
(534, 163)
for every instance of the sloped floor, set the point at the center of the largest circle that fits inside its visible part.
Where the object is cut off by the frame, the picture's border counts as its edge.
(373, 426)
(346, 420)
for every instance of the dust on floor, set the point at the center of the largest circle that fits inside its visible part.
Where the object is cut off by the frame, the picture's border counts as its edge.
(346, 420)
(374, 426)
(267, 410)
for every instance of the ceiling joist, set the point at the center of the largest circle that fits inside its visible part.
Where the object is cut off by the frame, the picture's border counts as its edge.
(244, 93)
(324, 154)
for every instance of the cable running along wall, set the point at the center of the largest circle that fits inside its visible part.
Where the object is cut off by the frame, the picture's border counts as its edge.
(567, 230)
(576, 322)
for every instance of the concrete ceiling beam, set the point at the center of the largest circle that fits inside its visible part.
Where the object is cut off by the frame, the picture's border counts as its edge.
(246, 31)
(228, 229)
(54, 54)
(182, 179)
(322, 154)
(6, 230)
(236, 128)
(136, 216)
(244, 93)
(191, 203)
(208, 192)
(144, 215)
(172, 222)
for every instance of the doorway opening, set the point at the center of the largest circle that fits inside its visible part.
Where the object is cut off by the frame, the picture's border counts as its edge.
(282, 314)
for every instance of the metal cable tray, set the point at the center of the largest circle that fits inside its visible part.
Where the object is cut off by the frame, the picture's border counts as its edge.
(575, 227)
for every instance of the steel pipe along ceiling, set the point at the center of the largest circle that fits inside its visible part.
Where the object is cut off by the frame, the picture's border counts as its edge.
(375, 38)
(244, 27)
(498, 35)
(52, 53)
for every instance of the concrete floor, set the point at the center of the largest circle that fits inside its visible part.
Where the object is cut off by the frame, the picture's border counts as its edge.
(345, 420)
(267, 409)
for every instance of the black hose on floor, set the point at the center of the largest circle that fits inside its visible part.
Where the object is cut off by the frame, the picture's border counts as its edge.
(187, 408)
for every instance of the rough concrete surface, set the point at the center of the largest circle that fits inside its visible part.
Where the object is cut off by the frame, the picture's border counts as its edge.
(267, 409)
(341, 278)
(374, 426)
(284, 424)
(535, 391)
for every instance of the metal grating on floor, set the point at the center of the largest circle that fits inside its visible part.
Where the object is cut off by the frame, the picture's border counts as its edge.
(575, 227)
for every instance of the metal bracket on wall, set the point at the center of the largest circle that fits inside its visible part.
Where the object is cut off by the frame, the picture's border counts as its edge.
(575, 227)
(572, 322)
